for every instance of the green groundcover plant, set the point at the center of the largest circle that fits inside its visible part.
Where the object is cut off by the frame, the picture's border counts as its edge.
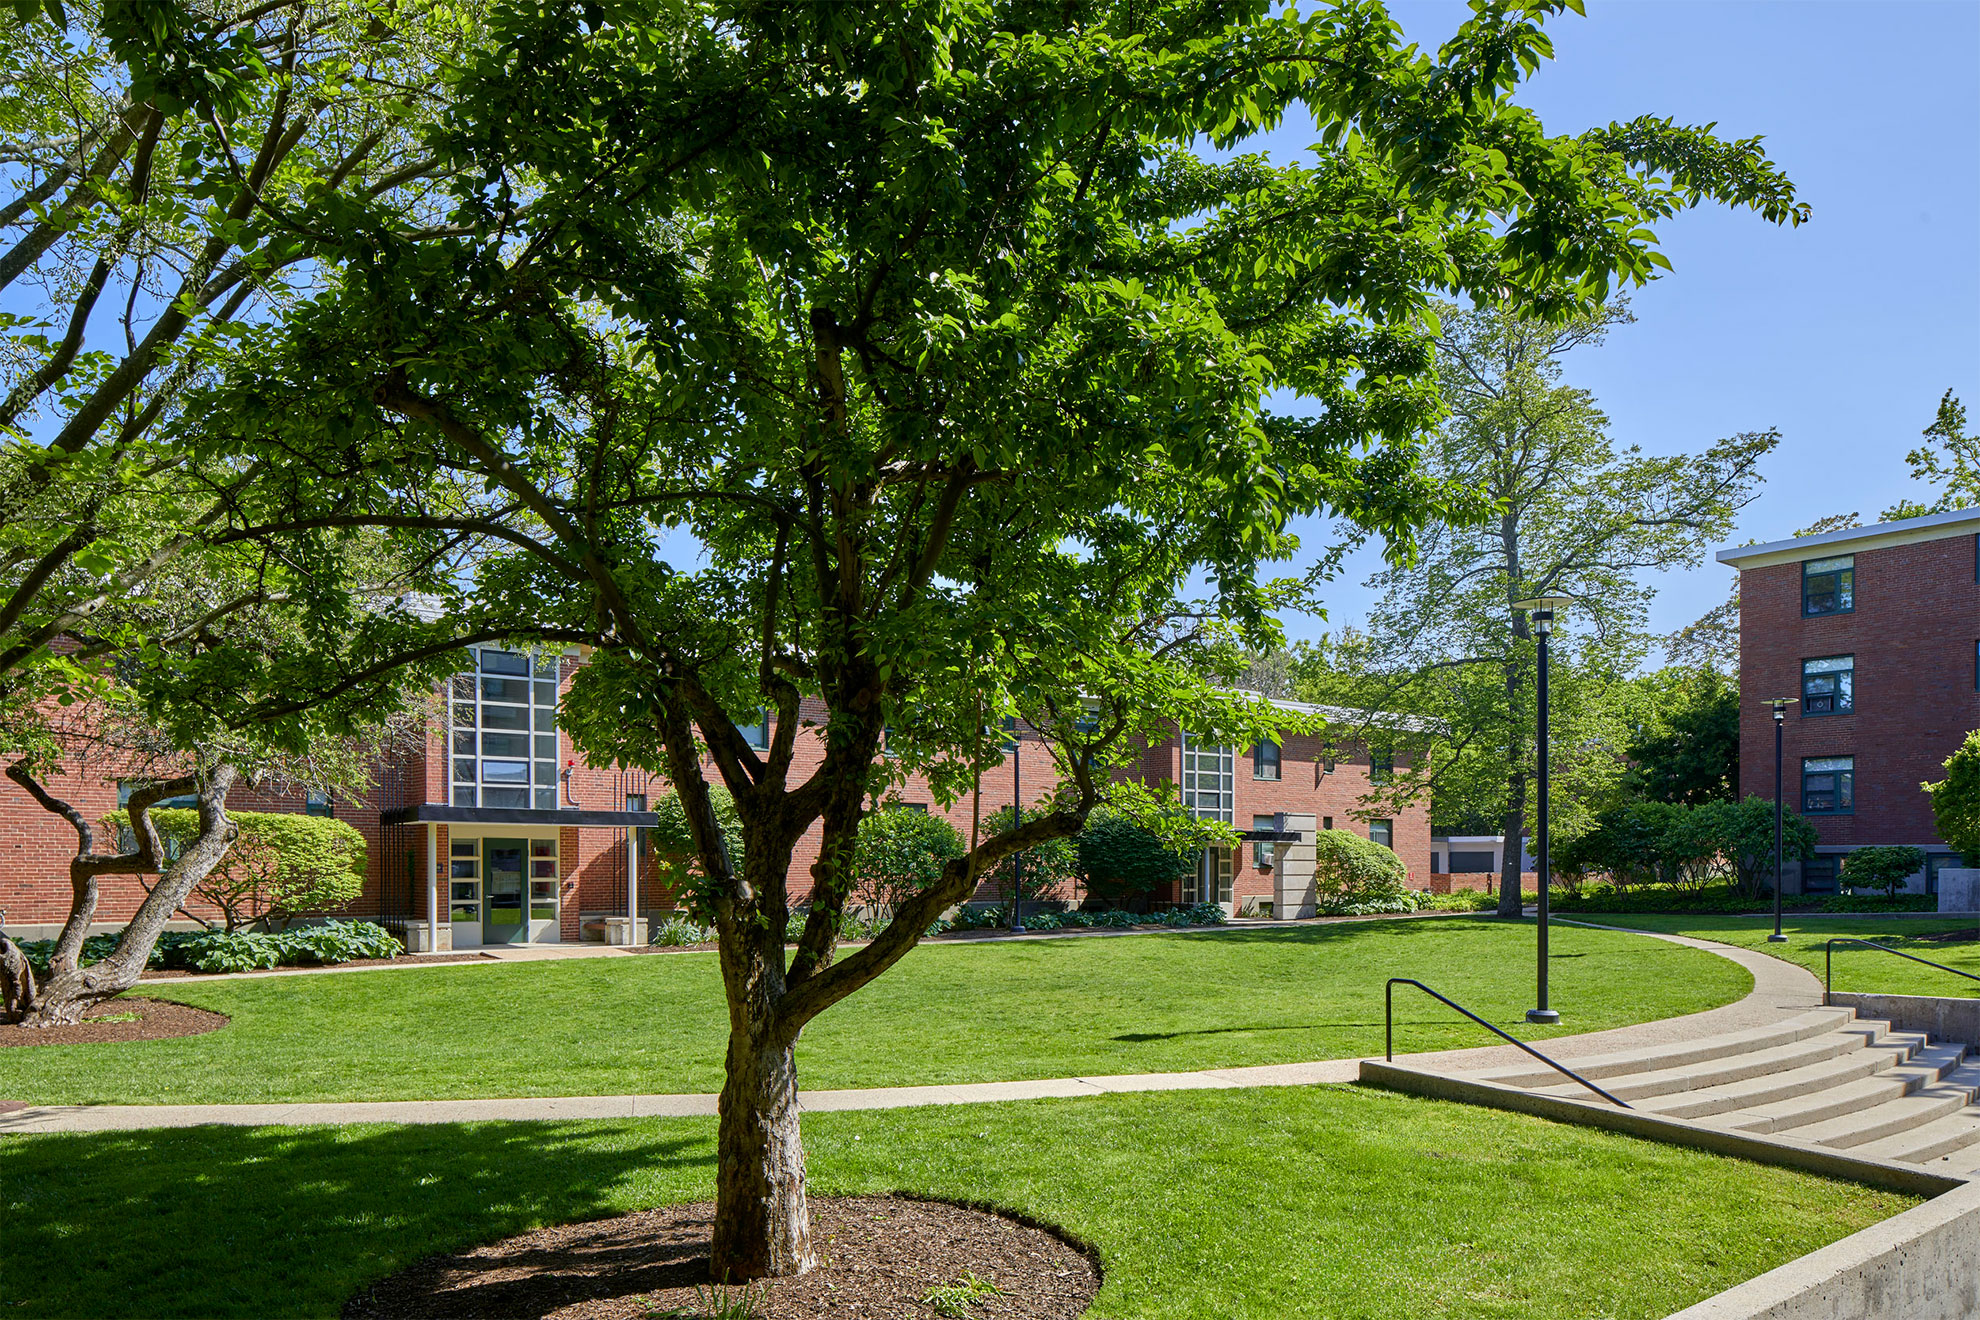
(242, 951)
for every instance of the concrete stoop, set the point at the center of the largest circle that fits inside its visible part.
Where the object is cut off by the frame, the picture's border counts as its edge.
(1812, 1089)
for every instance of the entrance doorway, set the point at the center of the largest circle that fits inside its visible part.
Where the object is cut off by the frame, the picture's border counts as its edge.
(503, 919)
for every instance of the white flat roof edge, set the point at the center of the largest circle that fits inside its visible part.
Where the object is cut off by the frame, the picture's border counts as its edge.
(1931, 527)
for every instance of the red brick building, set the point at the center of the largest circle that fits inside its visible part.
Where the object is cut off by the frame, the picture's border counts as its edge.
(498, 832)
(1876, 632)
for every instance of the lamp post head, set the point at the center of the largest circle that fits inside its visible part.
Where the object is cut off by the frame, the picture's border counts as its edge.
(1541, 610)
(1780, 705)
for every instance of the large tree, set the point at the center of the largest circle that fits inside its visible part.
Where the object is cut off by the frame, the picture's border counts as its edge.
(951, 360)
(162, 168)
(1571, 515)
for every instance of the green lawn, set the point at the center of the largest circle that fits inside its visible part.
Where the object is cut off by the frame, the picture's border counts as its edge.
(1324, 1201)
(1857, 969)
(950, 1013)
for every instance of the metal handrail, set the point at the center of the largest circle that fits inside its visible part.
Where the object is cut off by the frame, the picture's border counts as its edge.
(1389, 1033)
(1829, 962)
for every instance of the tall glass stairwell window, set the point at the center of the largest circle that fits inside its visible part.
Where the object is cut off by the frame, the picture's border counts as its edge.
(503, 731)
(1209, 792)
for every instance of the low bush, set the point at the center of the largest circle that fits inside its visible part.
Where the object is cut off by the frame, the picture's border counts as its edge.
(678, 931)
(1705, 900)
(1881, 867)
(1458, 900)
(1371, 907)
(1881, 903)
(998, 918)
(240, 951)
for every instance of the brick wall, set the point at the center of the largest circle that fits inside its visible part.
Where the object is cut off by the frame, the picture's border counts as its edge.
(1913, 629)
(35, 846)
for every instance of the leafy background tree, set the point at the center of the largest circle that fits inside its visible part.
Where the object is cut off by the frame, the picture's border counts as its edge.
(931, 333)
(1568, 515)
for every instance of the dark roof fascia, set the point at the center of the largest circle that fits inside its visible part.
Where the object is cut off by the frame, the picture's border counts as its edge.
(435, 813)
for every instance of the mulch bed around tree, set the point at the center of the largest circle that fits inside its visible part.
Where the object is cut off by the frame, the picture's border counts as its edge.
(157, 1019)
(879, 1256)
(181, 974)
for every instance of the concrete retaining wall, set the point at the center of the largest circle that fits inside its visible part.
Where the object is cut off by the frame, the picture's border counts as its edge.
(1917, 1266)
(1944, 1019)
(1959, 889)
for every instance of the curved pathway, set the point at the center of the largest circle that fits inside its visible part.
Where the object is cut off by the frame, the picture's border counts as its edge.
(1780, 990)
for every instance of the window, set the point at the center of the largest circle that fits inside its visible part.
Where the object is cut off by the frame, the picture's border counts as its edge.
(1010, 733)
(757, 735)
(542, 879)
(1261, 850)
(318, 804)
(1265, 761)
(504, 732)
(1818, 874)
(1828, 586)
(126, 787)
(1211, 881)
(921, 807)
(464, 880)
(1381, 765)
(1382, 832)
(1326, 822)
(1828, 785)
(1208, 789)
(1828, 687)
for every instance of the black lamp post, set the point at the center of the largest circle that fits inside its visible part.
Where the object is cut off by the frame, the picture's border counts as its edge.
(1780, 705)
(1540, 609)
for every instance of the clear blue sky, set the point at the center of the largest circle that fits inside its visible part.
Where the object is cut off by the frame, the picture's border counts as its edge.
(1842, 333)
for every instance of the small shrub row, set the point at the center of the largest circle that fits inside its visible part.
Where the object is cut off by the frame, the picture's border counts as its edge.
(1881, 903)
(1458, 900)
(242, 951)
(997, 918)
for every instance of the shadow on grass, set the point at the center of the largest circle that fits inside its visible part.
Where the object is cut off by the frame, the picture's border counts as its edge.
(293, 1221)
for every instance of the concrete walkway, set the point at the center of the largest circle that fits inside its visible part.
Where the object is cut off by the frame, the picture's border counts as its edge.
(1780, 990)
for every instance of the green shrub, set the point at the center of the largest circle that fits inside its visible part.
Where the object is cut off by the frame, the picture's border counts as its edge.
(1118, 858)
(1458, 900)
(1048, 867)
(335, 942)
(280, 865)
(901, 852)
(1707, 899)
(1352, 872)
(677, 931)
(1956, 800)
(1881, 903)
(1881, 867)
(676, 862)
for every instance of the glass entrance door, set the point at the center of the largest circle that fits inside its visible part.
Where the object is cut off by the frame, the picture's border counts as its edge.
(502, 913)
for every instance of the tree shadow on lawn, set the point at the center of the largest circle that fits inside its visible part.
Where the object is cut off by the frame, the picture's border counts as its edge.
(213, 1221)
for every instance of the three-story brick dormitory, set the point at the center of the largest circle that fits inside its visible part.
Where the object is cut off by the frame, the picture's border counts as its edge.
(498, 831)
(1875, 631)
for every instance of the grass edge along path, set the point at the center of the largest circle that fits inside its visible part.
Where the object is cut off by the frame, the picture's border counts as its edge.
(1339, 1201)
(954, 1014)
(1857, 969)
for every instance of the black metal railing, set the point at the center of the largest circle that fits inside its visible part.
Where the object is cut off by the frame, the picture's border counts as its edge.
(1829, 962)
(1389, 1033)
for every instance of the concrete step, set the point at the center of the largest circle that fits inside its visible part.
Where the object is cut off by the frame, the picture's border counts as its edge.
(1938, 1140)
(1739, 1067)
(1907, 1113)
(1845, 1097)
(1815, 1022)
(1873, 1073)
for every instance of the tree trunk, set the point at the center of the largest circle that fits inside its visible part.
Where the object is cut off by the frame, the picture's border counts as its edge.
(762, 1221)
(72, 991)
(1512, 900)
(16, 979)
